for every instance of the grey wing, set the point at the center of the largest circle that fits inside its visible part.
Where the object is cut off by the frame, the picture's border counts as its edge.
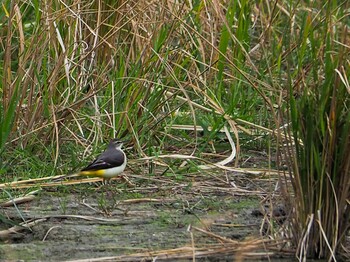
(108, 159)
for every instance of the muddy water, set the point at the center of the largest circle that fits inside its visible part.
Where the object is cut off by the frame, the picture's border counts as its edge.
(82, 223)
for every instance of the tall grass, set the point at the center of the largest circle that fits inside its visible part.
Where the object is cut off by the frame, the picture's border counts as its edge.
(80, 73)
(319, 110)
(94, 70)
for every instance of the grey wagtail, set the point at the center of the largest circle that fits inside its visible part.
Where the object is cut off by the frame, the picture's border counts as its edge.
(109, 164)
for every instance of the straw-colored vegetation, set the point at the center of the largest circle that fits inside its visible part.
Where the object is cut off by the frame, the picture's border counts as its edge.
(274, 73)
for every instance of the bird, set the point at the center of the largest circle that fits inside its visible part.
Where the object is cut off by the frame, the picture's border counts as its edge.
(109, 164)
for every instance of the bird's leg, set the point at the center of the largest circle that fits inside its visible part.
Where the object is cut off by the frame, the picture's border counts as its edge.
(103, 183)
(107, 183)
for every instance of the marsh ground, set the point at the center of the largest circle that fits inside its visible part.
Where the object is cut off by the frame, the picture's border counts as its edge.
(155, 217)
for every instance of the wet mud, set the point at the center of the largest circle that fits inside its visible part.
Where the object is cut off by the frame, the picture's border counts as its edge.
(100, 221)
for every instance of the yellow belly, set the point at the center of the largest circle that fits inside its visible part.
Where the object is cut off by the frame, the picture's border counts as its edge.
(104, 173)
(98, 173)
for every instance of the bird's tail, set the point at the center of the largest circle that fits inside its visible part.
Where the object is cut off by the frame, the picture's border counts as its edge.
(58, 178)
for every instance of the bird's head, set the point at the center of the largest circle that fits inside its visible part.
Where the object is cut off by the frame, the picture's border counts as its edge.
(116, 143)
